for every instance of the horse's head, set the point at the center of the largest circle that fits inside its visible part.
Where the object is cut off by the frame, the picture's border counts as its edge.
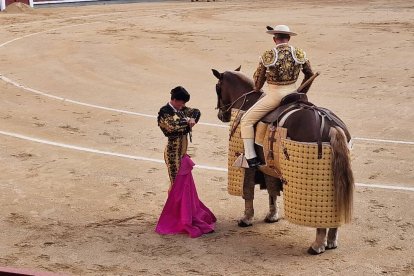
(222, 102)
(230, 86)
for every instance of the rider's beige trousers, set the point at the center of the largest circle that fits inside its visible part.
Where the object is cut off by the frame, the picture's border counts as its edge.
(274, 94)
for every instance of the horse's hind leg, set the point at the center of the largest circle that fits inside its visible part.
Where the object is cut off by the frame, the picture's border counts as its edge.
(318, 246)
(332, 238)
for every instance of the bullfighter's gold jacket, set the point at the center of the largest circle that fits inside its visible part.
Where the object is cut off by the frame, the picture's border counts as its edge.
(281, 66)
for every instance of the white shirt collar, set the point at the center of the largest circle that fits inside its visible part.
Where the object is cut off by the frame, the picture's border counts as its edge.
(175, 110)
(280, 44)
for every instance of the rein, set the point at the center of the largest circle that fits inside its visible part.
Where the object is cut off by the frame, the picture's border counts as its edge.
(230, 105)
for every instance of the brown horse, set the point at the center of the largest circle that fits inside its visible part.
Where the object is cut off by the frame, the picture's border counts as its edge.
(234, 91)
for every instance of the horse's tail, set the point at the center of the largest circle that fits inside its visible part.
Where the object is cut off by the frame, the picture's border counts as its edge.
(342, 173)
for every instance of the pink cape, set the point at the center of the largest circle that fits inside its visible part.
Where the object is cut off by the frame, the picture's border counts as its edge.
(184, 212)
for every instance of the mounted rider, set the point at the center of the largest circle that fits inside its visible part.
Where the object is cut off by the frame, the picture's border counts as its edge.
(279, 68)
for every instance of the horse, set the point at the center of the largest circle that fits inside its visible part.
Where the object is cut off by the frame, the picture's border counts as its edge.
(235, 90)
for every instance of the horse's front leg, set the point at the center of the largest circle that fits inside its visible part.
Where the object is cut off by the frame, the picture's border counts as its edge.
(332, 238)
(247, 219)
(248, 196)
(273, 188)
(318, 246)
(273, 215)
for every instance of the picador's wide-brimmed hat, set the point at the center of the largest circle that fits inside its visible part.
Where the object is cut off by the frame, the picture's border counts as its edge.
(279, 29)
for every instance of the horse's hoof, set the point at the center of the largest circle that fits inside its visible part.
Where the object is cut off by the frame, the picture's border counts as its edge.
(268, 220)
(312, 251)
(243, 224)
(331, 245)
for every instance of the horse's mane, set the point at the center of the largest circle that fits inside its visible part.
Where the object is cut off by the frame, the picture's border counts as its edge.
(238, 77)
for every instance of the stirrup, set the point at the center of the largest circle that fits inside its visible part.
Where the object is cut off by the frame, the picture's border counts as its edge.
(254, 162)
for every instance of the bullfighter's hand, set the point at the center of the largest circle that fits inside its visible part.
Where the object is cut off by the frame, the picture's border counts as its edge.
(191, 122)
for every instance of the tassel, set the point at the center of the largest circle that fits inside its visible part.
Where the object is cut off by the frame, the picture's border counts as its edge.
(241, 162)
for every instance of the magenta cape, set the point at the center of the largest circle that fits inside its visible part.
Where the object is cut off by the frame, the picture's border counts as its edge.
(184, 212)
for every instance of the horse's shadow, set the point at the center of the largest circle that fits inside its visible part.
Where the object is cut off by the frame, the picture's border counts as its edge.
(262, 239)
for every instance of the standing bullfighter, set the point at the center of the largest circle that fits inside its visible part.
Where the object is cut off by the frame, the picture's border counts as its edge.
(176, 121)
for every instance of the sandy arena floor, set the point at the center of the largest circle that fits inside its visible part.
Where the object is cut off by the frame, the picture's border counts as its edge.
(84, 213)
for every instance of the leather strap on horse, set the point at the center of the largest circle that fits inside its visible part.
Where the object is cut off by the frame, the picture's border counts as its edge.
(318, 128)
(272, 132)
(318, 132)
(236, 121)
(230, 105)
(331, 117)
(297, 105)
(271, 140)
(235, 124)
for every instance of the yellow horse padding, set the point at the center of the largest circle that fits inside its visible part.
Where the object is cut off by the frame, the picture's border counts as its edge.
(236, 148)
(308, 195)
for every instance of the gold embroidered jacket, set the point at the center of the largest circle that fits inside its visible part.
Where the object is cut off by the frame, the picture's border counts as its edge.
(172, 123)
(281, 66)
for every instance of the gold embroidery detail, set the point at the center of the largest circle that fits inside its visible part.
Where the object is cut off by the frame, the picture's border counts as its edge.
(173, 153)
(300, 55)
(285, 70)
(269, 58)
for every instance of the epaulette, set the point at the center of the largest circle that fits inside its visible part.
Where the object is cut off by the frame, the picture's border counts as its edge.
(269, 58)
(299, 55)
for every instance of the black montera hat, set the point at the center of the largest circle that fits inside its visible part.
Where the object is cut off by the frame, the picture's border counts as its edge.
(179, 93)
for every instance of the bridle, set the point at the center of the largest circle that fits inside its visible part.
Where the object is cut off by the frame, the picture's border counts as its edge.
(227, 107)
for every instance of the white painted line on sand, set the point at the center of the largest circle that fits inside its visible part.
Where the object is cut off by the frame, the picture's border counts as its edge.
(62, 145)
(211, 168)
(7, 80)
(388, 187)
(91, 150)
(46, 31)
(383, 141)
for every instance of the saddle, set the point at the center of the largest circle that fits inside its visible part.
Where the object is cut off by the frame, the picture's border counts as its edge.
(273, 122)
(287, 102)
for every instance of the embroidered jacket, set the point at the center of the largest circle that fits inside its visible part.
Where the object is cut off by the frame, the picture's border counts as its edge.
(173, 123)
(281, 66)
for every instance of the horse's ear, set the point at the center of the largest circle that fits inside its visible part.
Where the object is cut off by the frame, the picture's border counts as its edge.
(238, 68)
(269, 28)
(216, 74)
